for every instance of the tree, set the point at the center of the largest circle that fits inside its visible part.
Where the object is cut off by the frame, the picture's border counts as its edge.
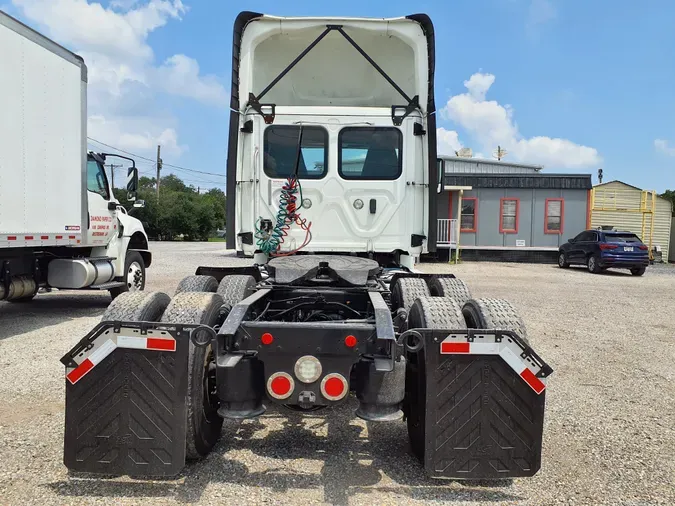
(181, 211)
(670, 195)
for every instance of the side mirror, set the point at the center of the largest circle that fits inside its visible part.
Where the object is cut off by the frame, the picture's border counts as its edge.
(139, 204)
(132, 184)
(570, 240)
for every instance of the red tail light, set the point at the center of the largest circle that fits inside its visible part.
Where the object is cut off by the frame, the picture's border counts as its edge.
(604, 246)
(350, 341)
(643, 247)
(280, 385)
(267, 338)
(334, 387)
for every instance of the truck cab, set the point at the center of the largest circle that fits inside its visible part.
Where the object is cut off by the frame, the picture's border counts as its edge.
(351, 121)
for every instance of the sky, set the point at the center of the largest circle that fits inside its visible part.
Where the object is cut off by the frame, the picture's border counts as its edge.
(569, 84)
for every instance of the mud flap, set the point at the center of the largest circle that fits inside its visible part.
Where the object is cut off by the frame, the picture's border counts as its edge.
(126, 385)
(484, 409)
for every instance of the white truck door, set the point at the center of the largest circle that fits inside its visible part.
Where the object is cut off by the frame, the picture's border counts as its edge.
(102, 221)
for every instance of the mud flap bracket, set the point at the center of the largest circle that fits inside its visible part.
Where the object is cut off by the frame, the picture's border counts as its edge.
(126, 385)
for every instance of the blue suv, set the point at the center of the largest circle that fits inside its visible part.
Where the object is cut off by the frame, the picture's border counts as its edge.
(600, 249)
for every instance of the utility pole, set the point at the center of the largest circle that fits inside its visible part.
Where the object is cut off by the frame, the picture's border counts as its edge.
(159, 168)
(112, 172)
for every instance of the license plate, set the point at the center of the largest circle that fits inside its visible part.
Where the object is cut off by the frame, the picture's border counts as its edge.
(628, 248)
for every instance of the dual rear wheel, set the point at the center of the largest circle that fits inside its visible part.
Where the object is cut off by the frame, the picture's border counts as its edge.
(446, 312)
(198, 300)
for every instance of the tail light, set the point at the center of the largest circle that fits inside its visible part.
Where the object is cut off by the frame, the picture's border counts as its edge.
(280, 385)
(604, 246)
(643, 247)
(334, 387)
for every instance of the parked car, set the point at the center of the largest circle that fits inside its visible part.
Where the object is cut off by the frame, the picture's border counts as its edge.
(599, 250)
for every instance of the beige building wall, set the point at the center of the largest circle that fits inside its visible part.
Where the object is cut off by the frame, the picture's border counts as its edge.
(615, 204)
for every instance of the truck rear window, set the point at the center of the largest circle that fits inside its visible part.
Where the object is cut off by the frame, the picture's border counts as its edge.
(370, 153)
(281, 151)
(621, 238)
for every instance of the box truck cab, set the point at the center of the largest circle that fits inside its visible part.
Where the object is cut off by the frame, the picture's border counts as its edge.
(60, 224)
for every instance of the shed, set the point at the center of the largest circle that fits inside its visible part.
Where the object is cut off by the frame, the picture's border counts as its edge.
(505, 214)
(626, 207)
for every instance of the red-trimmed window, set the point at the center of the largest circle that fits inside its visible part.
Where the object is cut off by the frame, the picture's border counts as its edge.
(469, 214)
(554, 219)
(509, 210)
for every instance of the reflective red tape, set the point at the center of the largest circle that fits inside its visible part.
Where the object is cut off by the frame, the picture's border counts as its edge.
(532, 380)
(11, 238)
(455, 347)
(28, 238)
(76, 374)
(161, 344)
(44, 237)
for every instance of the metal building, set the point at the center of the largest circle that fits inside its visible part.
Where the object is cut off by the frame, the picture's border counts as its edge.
(643, 212)
(512, 209)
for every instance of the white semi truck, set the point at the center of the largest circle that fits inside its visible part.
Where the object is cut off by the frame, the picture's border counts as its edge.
(60, 224)
(332, 122)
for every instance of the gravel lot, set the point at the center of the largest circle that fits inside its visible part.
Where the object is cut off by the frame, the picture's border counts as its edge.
(609, 436)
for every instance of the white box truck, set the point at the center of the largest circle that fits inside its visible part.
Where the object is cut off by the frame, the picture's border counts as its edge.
(60, 224)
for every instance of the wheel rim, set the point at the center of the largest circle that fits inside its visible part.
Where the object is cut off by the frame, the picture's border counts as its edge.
(561, 259)
(135, 277)
(591, 263)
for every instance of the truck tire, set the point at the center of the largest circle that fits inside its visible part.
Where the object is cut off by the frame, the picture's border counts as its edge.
(133, 275)
(235, 288)
(197, 284)
(203, 423)
(494, 314)
(137, 307)
(406, 291)
(430, 313)
(453, 288)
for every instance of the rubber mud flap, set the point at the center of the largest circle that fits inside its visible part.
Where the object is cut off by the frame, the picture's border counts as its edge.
(482, 420)
(127, 415)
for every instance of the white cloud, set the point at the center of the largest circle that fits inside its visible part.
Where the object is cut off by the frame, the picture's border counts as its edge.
(123, 75)
(138, 135)
(448, 142)
(491, 124)
(664, 147)
(179, 75)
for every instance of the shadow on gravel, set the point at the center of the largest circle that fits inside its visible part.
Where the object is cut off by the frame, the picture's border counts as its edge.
(351, 464)
(49, 309)
(578, 269)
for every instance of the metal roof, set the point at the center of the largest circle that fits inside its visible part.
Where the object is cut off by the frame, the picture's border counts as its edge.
(528, 180)
(497, 163)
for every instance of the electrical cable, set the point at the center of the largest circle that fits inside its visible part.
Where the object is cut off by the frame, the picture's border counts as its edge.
(271, 241)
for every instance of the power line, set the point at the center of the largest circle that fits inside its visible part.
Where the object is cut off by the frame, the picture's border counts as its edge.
(178, 167)
(121, 150)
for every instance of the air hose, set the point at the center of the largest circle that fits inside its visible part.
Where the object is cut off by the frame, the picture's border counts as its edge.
(270, 241)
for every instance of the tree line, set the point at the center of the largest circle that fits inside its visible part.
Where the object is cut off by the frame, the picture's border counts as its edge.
(182, 213)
